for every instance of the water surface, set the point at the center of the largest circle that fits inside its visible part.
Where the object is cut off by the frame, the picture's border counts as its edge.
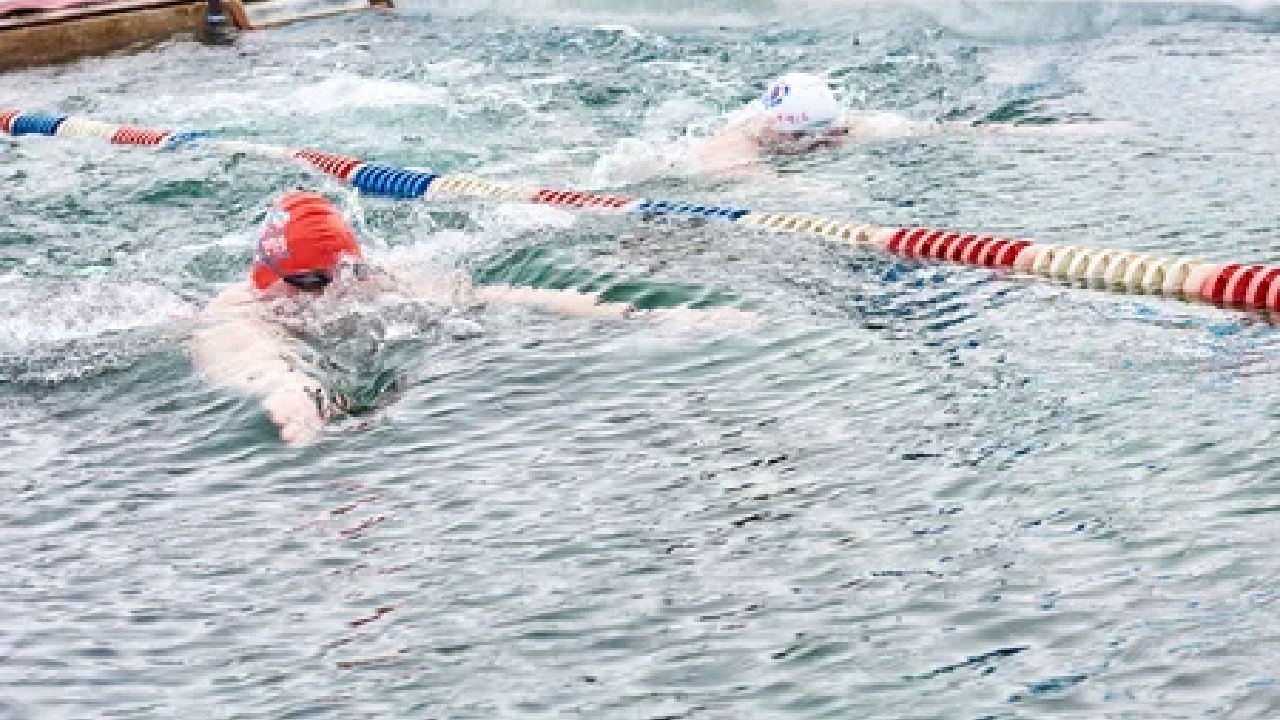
(918, 491)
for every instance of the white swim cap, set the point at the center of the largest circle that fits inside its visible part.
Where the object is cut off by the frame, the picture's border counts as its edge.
(798, 102)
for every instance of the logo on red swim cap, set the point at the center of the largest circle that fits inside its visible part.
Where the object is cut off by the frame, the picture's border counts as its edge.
(303, 232)
(273, 241)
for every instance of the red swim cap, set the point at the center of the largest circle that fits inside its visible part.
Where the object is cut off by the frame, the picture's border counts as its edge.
(304, 232)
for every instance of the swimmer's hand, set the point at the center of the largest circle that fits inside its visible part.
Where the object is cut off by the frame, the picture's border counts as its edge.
(295, 413)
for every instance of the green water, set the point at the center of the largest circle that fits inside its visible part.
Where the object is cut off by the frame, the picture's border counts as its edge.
(917, 491)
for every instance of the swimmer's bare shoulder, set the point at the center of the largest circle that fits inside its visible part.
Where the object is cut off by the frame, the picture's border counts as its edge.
(734, 150)
(234, 346)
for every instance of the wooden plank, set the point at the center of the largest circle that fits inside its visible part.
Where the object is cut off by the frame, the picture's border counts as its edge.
(76, 35)
(10, 7)
(235, 10)
(55, 36)
(83, 11)
(272, 13)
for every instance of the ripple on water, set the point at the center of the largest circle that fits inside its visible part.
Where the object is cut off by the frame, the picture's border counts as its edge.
(914, 490)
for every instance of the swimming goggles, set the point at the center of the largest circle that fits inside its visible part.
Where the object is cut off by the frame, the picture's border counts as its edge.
(309, 281)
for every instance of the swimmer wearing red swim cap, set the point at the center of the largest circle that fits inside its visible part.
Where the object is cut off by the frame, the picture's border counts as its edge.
(303, 244)
(303, 249)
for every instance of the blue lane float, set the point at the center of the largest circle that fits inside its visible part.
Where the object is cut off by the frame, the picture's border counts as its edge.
(36, 124)
(391, 182)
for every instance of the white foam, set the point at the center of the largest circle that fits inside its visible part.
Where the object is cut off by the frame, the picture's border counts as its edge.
(279, 95)
(355, 91)
(673, 118)
(631, 33)
(510, 219)
(38, 315)
(435, 253)
(664, 147)
(455, 69)
(633, 160)
(725, 12)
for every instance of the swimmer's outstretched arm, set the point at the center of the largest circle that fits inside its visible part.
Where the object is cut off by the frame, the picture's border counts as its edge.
(565, 302)
(459, 290)
(580, 304)
(234, 347)
(738, 149)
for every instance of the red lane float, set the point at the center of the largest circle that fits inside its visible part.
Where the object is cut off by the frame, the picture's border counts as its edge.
(130, 135)
(1262, 291)
(955, 247)
(6, 117)
(336, 165)
(1249, 285)
(581, 199)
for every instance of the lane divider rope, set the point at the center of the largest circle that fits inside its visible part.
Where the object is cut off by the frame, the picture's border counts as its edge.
(1249, 286)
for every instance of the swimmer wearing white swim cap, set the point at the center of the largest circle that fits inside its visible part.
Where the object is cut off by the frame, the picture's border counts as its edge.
(797, 113)
(802, 115)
